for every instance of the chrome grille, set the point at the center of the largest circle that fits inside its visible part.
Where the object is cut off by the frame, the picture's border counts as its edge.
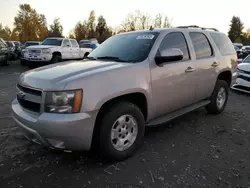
(29, 98)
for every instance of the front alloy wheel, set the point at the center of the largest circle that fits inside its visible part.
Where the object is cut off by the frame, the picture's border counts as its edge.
(121, 131)
(124, 132)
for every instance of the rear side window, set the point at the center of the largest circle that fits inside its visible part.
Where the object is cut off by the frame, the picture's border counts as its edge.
(201, 45)
(74, 43)
(223, 43)
(175, 40)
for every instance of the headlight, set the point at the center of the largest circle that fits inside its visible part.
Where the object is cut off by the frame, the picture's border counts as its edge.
(46, 51)
(63, 102)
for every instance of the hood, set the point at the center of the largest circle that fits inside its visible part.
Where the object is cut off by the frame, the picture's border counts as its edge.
(244, 66)
(56, 76)
(40, 46)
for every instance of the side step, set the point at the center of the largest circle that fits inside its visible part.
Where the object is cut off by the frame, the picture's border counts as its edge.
(177, 113)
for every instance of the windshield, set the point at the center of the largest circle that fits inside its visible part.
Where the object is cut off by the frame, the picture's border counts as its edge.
(247, 60)
(129, 47)
(52, 42)
(27, 44)
(10, 44)
(17, 44)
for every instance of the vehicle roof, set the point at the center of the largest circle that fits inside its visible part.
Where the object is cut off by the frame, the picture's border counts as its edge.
(33, 41)
(159, 30)
(59, 38)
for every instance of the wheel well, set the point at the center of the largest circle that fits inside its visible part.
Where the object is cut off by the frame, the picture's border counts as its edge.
(226, 76)
(138, 99)
(87, 53)
(57, 53)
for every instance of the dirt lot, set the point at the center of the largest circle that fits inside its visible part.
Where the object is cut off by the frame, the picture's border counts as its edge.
(196, 150)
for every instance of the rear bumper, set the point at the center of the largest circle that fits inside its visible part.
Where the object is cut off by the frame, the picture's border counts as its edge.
(57, 131)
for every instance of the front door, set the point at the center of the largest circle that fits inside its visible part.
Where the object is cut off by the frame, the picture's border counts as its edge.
(174, 83)
(206, 64)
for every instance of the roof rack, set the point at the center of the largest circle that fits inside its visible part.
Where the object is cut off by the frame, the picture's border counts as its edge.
(195, 26)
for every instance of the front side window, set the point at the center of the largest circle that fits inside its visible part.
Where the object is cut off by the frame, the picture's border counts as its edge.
(175, 40)
(66, 43)
(84, 45)
(201, 45)
(129, 47)
(52, 42)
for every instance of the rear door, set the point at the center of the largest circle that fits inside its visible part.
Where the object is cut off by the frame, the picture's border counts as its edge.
(67, 49)
(206, 64)
(75, 49)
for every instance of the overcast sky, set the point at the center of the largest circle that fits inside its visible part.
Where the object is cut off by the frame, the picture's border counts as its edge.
(212, 13)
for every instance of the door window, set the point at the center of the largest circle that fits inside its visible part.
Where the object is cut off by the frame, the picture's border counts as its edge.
(175, 40)
(201, 45)
(66, 43)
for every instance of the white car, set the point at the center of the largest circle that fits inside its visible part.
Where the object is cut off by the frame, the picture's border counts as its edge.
(54, 50)
(242, 82)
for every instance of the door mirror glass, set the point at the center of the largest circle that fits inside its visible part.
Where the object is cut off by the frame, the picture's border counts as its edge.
(169, 55)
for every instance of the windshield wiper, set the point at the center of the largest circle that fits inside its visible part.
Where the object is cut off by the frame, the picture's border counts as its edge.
(111, 58)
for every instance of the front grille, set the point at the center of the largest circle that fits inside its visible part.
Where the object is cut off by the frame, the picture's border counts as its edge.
(34, 51)
(244, 78)
(30, 91)
(32, 106)
(242, 87)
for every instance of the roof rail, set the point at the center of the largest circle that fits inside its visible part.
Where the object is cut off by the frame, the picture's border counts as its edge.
(195, 26)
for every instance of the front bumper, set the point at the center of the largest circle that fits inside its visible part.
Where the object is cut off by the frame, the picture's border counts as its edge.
(242, 83)
(57, 131)
(38, 58)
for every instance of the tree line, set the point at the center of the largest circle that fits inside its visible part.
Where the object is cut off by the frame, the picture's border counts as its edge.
(29, 25)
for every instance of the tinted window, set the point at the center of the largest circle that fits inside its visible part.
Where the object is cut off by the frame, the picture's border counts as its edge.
(223, 43)
(247, 60)
(30, 44)
(128, 47)
(84, 45)
(175, 40)
(52, 42)
(201, 45)
(66, 42)
(74, 43)
(10, 44)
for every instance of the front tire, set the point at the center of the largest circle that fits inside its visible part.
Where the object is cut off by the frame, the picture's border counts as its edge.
(218, 98)
(56, 59)
(121, 131)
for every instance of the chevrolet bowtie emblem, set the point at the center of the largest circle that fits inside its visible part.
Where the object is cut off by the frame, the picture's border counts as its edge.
(21, 94)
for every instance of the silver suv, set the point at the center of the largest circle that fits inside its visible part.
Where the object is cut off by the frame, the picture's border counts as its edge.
(132, 80)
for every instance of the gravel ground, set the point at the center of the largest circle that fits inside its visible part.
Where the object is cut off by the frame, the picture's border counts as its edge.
(195, 150)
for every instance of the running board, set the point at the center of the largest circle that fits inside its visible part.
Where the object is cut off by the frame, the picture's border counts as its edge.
(177, 113)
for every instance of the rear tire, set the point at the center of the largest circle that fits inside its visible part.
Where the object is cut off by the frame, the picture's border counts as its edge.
(113, 135)
(218, 98)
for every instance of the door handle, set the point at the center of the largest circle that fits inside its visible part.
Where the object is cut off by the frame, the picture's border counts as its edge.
(190, 69)
(215, 64)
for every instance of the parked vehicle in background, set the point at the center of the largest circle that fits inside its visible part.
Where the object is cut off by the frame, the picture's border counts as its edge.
(245, 51)
(12, 50)
(132, 80)
(24, 46)
(243, 76)
(4, 53)
(53, 50)
(18, 49)
(239, 45)
(239, 53)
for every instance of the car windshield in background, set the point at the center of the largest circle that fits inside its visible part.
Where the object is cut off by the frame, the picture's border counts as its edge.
(10, 44)
(248, 48)
(129, 47)
(27, 44)
(52, 42)
(247, 60)
(17, 44)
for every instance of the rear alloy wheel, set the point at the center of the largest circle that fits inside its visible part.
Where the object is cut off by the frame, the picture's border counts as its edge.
(121, 131)
(219, 98)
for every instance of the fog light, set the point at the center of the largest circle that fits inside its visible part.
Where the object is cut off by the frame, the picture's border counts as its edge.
(56, 143)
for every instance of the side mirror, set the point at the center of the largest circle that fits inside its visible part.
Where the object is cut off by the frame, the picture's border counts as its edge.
(169, 55)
